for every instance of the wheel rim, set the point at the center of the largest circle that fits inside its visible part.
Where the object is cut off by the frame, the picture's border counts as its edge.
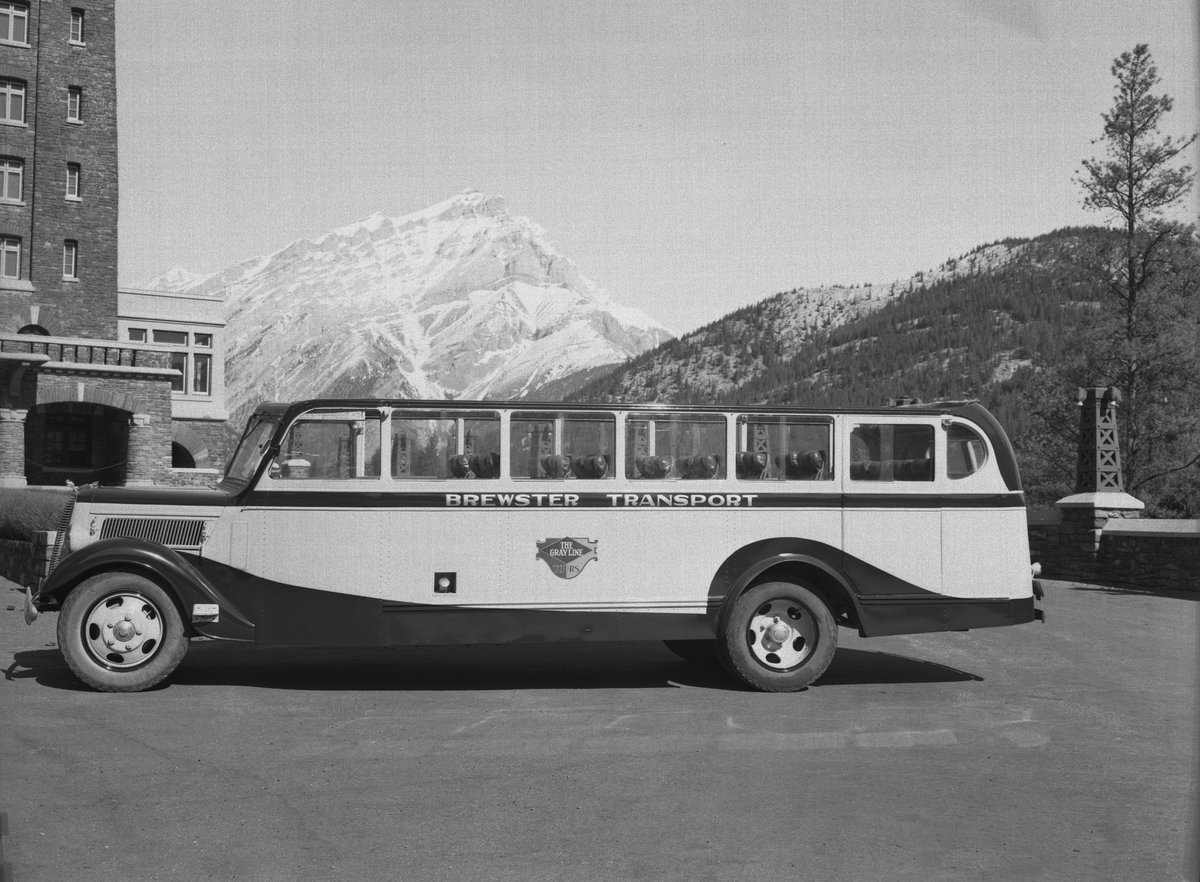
(123, 631)
(782, 634)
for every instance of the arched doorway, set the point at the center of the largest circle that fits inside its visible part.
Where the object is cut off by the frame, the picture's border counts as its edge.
(181, 457)
(189, 449)
(36, 330)
(76, 441)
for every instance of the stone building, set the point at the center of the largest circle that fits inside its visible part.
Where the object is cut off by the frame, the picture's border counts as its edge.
(95, 383)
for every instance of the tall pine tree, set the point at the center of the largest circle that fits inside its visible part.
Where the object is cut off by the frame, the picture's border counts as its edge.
(1145, 338)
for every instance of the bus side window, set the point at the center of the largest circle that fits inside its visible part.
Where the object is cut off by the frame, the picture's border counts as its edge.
(966, 452)
(562, 445)
(337, 445)
(885, 452)
(444, 445)
(674, 446)
(783, 448)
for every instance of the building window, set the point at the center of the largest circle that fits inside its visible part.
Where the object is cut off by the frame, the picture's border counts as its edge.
(195, 368)
(70, 259)
(137, 335)
(171, 338)
(12, 172)
(201, 374)
(74, 104)
(12, 101)
(77, 26)
(10, 257)
(179, 363)
(73, 191)
(14, 23)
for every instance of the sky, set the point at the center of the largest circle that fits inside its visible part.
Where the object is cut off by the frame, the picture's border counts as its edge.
(690, 157)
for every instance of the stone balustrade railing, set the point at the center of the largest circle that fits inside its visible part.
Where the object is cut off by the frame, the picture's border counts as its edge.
(81, 350)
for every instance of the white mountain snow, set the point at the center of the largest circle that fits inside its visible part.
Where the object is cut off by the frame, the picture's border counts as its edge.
(462, 299)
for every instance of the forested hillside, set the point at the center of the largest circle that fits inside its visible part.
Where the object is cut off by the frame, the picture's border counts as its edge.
(970, 329)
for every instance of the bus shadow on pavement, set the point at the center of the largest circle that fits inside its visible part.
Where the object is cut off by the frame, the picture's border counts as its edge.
(453, 668)
(477, 668)
(864, 667)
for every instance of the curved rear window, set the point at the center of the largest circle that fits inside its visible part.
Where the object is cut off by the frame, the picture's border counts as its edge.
(966, 451)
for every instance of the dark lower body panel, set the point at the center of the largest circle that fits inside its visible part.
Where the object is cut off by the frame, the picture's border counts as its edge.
(286, 615)
(888, 615)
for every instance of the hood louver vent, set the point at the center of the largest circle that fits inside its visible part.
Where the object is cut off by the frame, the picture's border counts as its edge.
(64, 524)
(172, 532)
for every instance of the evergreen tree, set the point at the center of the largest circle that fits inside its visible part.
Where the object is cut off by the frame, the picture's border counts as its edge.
(1146, 337)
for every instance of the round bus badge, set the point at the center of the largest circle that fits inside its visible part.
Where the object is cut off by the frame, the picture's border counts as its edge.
(567, 556)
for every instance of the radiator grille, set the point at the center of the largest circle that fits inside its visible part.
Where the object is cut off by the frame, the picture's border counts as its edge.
(172, 532)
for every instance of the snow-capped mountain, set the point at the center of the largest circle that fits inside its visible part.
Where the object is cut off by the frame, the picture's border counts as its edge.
(462, 299)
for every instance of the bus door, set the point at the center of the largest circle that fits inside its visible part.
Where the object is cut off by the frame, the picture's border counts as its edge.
(891, 512)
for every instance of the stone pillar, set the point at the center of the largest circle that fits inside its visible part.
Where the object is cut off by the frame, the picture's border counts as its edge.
(1099, 487)
(145, 462)
(12, 447)
(1098, 468)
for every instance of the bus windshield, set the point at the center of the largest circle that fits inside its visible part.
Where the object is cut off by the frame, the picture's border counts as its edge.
(250, 451)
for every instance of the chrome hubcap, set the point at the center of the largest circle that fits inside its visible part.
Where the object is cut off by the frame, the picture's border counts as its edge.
(123, 630)
(782, 634)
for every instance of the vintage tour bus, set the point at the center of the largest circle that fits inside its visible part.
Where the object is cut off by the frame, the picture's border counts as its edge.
(751, 533)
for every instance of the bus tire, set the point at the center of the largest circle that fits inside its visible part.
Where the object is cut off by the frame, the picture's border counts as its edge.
(779, 637)
(120, 632)
(697, 652)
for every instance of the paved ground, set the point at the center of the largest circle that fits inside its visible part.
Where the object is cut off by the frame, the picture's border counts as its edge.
(1054, 752)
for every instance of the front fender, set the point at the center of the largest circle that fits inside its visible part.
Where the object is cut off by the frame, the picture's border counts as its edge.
(158, 562)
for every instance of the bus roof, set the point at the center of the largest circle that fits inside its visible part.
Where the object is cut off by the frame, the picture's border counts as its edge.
(288, 409)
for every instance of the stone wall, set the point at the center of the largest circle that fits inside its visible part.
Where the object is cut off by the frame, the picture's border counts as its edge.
(1159, 555)
(26, 562)
(1150, 555)
(191, 478)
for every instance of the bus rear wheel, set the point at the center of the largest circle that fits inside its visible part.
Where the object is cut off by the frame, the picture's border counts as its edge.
(779, 637)
(119, 632)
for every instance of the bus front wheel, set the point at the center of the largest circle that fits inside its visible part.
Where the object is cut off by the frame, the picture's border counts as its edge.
(779, 637)
(119, 632)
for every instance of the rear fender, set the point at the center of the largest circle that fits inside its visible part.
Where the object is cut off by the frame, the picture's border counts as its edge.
(164, 565)
(820, 564)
